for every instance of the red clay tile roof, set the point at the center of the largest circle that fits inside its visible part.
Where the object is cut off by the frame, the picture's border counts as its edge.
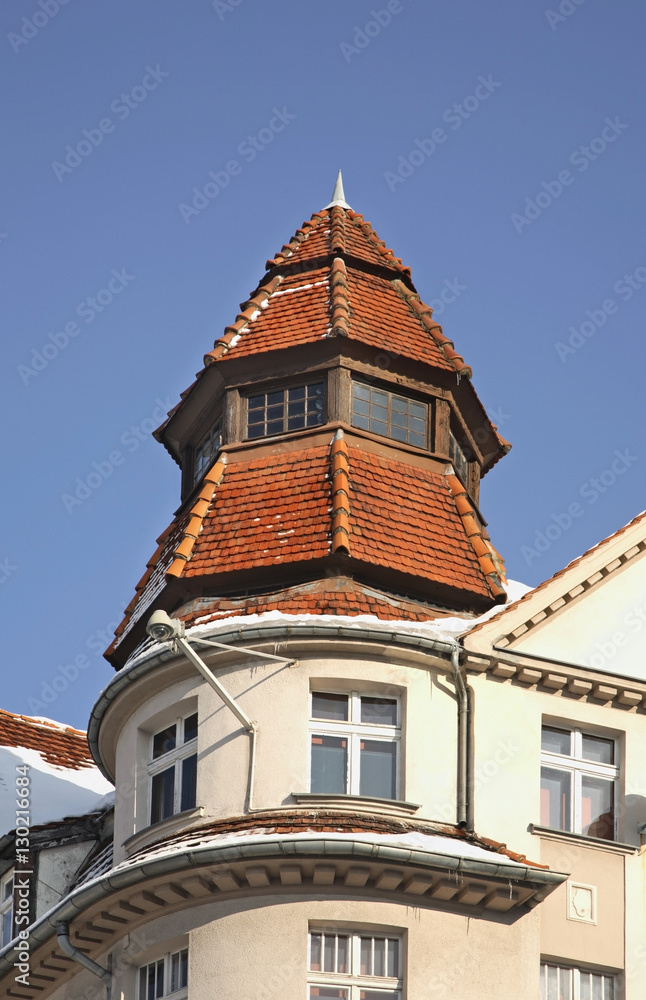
(406, 518)
(58, 745)
(290, 508)
(327, 596)
(327, 821)
(312, 294)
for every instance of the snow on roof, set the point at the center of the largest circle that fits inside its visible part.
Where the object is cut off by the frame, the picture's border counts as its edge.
(63, 779)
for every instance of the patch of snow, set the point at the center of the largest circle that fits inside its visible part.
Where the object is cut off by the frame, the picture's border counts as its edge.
(301, 288)
(54, 792)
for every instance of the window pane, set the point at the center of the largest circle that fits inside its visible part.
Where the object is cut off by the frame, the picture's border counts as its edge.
(330, 706)
(598, 750)
(393, 959)
(378, 769)
(329, 764)
(328, 953)
(190, 728)
(378, 995)
(382, 711)
(164, 742)
(379, 958)
(315, 952)
(6, 927)
(597, 808)
(361, 406)
(7, 889)
(366, 957)
(342, 954)
(555, 740)
(275, 398)
(378, 426)
(163, 795)
(555, 798)
(328, 993)
(419, 440)
(159, 991)
(189, 782)
(360, 391)
(296, 393)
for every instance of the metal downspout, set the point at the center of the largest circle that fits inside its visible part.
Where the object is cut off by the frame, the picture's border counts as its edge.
(463, 731)
(66, 946)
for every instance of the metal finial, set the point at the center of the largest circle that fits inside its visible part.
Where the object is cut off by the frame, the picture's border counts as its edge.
(338, 195)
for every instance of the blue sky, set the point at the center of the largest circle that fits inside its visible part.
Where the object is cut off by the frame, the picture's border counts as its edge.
(525, 194)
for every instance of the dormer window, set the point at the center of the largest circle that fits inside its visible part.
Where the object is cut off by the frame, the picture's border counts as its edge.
(458, 458)
(288, 409)
(205, 453)
(393, 416)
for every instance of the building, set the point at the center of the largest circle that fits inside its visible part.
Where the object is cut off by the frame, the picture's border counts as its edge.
(306, 756)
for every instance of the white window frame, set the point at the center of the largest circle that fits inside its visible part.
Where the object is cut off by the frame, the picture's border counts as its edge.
(352, 980)
(6, 906)
(578, 767)
(571, 977)
(164, 762)
(354, 731)
(178, 994)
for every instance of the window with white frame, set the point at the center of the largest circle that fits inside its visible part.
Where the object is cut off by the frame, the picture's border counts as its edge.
(6, 908)
(579, 775)
(348, 965)
(560, 983)
(355, 741)
(173, 769)
(166, 977)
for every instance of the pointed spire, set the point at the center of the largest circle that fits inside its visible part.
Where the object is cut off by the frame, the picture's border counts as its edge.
(338, 195)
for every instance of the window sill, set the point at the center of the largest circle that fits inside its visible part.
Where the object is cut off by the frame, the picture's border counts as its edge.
(356, 803)
(162, 829)
(565, 837)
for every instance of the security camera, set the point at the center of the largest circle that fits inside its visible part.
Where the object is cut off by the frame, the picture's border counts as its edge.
(161, 627)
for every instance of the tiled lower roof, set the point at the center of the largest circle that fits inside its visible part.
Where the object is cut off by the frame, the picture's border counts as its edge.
(326, 821)
(57, 744)
(327, 596)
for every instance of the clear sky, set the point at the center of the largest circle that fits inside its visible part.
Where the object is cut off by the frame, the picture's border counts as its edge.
(497, 147)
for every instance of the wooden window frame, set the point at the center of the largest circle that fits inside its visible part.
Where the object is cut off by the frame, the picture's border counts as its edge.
(285, 389)
(391, 394)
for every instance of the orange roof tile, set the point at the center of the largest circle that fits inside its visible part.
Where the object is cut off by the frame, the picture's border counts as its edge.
(57, 744)
(406, 518)
(313, 293)
(266, 511)
(326, 596)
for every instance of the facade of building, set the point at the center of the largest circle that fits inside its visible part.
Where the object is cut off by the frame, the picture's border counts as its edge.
(323, 699)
